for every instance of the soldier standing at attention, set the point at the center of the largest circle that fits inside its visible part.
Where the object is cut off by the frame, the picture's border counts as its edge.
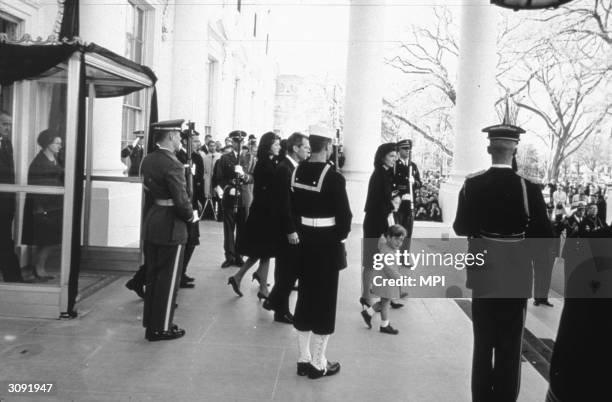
(498, 210)
(407, 180)
(164, 230)
(322, 210)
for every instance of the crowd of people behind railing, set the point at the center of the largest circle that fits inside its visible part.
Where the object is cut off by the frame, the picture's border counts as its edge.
(576, 208)
(427, 207)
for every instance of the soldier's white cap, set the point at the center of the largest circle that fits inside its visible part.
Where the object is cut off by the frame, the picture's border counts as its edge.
(320, 130)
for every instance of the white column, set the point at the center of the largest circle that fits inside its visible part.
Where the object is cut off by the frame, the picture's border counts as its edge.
(476, 95)
(363, 103)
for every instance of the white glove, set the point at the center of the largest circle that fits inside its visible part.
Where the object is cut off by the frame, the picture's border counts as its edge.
(219, 191)
(195, 217)
(193, 170)
(232, 191)
(411, 180)
(406, 197)
(293, 238)
(238, 169)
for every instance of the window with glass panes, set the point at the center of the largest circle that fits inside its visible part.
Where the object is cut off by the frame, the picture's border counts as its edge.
(9, 28)
(133, 104)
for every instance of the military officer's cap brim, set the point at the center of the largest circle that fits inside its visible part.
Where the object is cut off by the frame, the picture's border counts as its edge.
(503, 132)
(404, 143)
(237, 135)
(168, 125)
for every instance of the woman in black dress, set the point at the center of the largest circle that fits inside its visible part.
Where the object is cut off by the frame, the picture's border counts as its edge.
(258, 241)
(377, 209)
(42, 216)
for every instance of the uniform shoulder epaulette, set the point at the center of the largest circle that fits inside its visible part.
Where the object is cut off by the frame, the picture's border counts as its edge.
(532, 180)
(472, 175)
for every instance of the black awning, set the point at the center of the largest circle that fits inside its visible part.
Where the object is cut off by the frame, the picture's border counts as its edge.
(21, 62)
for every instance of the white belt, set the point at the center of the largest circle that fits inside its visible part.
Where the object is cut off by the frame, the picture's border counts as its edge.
(164, 203)
(318, 222)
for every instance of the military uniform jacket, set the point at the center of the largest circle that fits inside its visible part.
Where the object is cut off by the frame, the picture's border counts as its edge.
(401, 177)
(135, 154)
(495, 206)
(225, 175)
(164, 178)
(197, 178)
(320, 192)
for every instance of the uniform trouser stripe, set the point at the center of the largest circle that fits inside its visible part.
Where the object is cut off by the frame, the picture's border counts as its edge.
(175, 268)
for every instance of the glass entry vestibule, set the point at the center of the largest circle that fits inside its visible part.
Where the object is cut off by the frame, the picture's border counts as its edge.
(64, 206)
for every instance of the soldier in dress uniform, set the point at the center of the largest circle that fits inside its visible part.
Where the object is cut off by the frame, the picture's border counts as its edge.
(134, 152)
(407, 180)
(498, 210)
(164, 230)
(322, 210)
(229, 181)
(195, 173)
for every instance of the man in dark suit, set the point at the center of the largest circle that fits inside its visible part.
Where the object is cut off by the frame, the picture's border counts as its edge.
(204, 147)
(501, 212)
(134, 152)
(229, 181)
(407, 180)
(321, 206)
(195, 173)
(164, 230)
(9, 264)
(285, 270)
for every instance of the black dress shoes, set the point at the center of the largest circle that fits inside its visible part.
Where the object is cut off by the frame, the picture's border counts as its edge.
(389, 330)
(227, 264)
(238, 262)
(367, 318)
(139, 289)
(303, 368)
(173, 333)
(186, 285)
(187, 278)
(396, 305)
(331, 369)
(286, 318)
(267, 304)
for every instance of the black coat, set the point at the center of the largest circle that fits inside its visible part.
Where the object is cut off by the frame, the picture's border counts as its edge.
(286, 220)
(42, 215)
(259, 238)
(378, 203)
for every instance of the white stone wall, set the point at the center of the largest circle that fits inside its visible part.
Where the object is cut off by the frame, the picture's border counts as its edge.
(181, 36)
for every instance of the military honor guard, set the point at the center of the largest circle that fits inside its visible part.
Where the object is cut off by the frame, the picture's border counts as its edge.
(194, 171)
(321, 207)
(230, 177)
(134, 153)
(164, 230)
(498, 210)
(406, 180)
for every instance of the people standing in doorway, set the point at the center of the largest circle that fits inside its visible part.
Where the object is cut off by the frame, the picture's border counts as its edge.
(43, 213)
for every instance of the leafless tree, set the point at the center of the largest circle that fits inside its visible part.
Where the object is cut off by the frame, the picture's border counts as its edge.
(567, 97)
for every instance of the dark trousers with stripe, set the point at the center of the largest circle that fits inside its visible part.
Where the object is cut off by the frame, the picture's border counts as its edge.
(233, 225)
(285, 275)
(164, 268)
(498, 333)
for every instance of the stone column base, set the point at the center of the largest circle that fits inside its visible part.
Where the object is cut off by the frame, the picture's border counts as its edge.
(357, 190)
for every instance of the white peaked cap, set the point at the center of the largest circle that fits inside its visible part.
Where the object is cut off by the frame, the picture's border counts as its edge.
(321, 131)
